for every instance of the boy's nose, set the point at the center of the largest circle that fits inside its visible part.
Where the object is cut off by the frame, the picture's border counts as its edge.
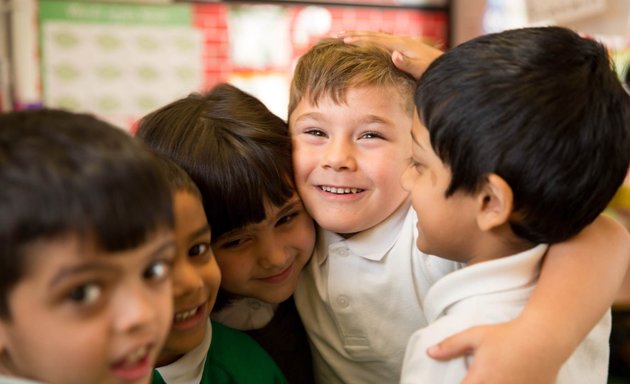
(136, 311)
(185, 279)
(339, 156)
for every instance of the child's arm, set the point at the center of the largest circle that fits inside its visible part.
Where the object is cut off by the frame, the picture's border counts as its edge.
(578, 283)
(408, 54)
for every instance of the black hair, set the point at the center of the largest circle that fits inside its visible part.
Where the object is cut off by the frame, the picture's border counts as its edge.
(542, 108)
(64, 173)
(235, 150)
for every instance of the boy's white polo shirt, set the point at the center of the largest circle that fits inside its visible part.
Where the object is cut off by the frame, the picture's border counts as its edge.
(188, 368)
(492, 292)
(361, 299)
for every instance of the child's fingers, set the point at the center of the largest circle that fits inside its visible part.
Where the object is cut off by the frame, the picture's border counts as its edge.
(458, 345)
(408, 54)
(492, 356)
(414, 67)
(386, 40)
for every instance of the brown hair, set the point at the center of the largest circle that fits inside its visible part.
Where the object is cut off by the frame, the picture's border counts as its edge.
(331, 67)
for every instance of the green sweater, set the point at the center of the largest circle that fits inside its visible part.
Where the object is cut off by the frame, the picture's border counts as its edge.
(235, 358)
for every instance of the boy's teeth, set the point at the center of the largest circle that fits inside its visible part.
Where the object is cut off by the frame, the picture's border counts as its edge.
(340, 191)
(181, 316)
(136, 356)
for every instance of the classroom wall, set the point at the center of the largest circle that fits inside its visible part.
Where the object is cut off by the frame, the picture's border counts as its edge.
(121, 61)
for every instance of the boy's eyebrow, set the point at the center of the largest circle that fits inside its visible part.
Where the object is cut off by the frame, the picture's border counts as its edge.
(90, 266)
(375, 119)
(100, 266)
(309, 115)
(200, 232)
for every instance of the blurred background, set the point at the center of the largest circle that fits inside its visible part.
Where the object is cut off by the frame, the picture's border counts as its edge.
(122, 59)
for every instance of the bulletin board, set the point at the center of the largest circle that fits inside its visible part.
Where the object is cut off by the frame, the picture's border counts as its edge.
(118, 61)
(121, 61)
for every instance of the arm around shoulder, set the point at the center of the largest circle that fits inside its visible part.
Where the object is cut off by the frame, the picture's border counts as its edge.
(578, 283)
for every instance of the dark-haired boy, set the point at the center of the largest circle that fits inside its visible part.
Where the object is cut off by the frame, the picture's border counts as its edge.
(521, 138)
(87, 241)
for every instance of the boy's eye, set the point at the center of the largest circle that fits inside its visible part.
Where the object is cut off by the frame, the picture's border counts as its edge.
(198, 249)
(371, 135)
(86, 293)
(315, 132)
(157, 270)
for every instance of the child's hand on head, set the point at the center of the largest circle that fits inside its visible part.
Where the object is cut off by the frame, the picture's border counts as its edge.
(408, 54)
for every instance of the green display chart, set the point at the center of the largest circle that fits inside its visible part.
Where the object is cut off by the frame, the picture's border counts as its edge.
(118, 61)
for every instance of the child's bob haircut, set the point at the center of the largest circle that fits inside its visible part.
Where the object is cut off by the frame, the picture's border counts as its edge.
(331, 67)
(543, 109)
(235, 150)
(64, 173)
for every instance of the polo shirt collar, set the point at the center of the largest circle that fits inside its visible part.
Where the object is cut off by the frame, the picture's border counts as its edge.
(189, 368)
(372, 244)
(497, 275)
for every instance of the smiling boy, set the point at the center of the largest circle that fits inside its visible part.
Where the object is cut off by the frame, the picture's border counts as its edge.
(350, 115)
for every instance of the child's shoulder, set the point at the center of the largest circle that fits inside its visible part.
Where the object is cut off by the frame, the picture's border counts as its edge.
(234, 357)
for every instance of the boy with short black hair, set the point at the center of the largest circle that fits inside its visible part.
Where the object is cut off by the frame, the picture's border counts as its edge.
(504, 163)
(360, 297)
(87, 241)
(198, 350)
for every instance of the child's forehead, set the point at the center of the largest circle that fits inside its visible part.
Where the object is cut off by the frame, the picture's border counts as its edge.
(387, 97)
(389, 92)
(76, 248)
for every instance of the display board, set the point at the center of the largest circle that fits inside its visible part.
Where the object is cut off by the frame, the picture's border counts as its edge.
(121, 61)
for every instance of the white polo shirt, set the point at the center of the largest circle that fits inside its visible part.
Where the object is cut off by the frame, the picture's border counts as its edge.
(492, 292)
(360, 299)
(189, 367)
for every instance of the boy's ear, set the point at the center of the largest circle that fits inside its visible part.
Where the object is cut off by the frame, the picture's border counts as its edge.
(495, 203)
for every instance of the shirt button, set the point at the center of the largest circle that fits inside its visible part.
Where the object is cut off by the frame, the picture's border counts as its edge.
(343, 252)
(343, 301)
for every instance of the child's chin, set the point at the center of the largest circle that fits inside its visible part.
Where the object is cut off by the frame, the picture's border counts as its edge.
(277, 297)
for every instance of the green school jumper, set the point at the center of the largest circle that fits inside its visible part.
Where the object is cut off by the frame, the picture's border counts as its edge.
(235, 358)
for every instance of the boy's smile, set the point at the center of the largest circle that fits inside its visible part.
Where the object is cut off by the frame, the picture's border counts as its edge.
(196, 278)
(349, 156)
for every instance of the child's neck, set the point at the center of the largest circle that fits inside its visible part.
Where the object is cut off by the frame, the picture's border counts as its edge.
(498, 243)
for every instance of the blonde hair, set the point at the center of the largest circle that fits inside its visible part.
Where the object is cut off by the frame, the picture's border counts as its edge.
(331, 67)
